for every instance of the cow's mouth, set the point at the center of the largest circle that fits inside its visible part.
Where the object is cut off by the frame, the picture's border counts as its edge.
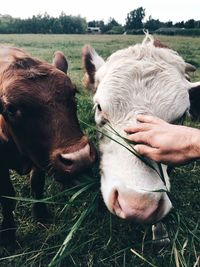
(66, 165)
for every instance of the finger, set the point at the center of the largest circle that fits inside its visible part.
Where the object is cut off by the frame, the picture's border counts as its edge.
(149, 119)
(148, 152)
(139, 137)
(138, 128)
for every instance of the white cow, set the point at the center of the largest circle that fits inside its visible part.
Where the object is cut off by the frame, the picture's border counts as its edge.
(141, 79)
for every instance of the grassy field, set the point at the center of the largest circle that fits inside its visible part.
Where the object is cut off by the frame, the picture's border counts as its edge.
(83, 232)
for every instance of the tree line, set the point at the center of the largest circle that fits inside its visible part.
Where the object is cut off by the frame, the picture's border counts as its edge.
(67, 24)
(64, 24)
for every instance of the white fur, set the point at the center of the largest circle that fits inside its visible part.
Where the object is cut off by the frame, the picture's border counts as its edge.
(139, 79)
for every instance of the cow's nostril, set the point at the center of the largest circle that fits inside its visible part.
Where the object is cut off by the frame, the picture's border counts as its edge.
(65, 161)
(116, 205)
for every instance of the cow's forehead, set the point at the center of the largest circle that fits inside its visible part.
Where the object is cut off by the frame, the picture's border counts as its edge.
(148, 52)
(143, 78)
(123, 73)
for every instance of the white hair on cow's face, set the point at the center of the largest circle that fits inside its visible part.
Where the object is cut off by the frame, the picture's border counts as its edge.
(147, 51)
(142, 79)
(139, 79)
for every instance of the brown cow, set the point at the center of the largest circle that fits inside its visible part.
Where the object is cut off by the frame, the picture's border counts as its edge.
(39, 129)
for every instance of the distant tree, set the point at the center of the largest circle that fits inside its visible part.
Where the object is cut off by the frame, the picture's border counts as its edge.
(64, 24)
(190, 24)
(197, 24)
(6, 21)
(153, 24)
(116, 30)
(180, 24)
(57, 26)
(168, 24)
(80, 25)
(101, 25)
(92, 23)
(72, 24)
(134, 19)
(111, 23)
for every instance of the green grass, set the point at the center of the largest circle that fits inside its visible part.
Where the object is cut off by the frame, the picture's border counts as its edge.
(83, 232)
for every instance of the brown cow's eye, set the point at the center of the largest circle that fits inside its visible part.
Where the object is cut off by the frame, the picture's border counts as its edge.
(12, 111)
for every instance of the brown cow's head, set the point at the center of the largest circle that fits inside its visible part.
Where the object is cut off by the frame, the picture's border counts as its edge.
(37, 102)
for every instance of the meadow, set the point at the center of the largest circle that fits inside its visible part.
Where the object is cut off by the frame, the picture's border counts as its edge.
(82, 232)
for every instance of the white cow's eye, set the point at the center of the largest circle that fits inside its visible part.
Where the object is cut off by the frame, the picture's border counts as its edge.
(99, 107)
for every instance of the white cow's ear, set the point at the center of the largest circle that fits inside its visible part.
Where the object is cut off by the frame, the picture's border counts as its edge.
(194, 94)
(190, 68)
(91, 63)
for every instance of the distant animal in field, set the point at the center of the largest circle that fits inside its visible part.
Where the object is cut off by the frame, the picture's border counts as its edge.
(146, 78)
(39, 129)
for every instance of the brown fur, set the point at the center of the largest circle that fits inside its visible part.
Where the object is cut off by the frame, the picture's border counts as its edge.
(38, 123)
(60, 62)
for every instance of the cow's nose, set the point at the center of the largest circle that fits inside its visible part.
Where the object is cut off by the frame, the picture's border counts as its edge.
(139, 209)
(77, 160)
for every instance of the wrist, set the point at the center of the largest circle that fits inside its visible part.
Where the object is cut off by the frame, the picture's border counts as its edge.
(195, 144)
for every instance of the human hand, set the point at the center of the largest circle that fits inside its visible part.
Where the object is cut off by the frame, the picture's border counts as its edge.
(164, 142)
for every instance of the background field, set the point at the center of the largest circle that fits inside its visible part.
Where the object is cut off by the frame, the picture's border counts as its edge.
(83, 232)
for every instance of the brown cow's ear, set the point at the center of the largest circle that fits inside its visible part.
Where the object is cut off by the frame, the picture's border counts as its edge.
(194, 94)
(91, 63)
(60, 61)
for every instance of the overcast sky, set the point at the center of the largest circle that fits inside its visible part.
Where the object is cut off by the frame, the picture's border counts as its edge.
(174, 10)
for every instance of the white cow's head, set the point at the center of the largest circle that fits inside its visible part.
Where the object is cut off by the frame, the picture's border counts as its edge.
(140, 79)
